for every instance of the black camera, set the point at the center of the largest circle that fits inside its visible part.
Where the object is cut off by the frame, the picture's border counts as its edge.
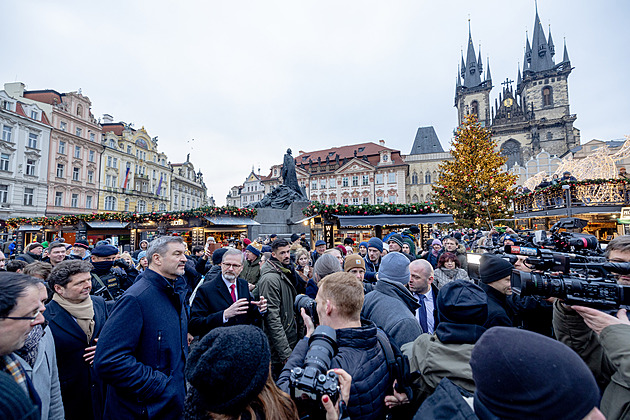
(310, 382)
(309, 305)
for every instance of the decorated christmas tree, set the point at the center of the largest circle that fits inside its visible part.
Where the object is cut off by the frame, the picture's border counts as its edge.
(473, 187)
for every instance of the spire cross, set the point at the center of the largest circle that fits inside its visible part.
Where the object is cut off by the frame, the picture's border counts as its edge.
(507, 82)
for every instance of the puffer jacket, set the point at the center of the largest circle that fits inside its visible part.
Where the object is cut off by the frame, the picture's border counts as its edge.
(361, 355)
(280, 324)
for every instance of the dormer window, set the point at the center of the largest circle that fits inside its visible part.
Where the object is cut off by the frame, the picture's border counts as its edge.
(34, 115)
(7, 105)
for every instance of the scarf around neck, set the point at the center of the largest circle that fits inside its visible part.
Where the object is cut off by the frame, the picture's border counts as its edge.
(83, 313)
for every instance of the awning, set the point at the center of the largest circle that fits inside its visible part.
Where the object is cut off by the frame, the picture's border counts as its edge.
(394, 219)
(110, 224)
(231, 220)
(304, 220)
(29, 228)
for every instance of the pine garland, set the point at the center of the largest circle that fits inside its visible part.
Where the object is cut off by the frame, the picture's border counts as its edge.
(316, 208)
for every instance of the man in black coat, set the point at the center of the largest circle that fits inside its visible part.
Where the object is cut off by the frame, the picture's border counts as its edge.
(225, 300)
(495, 273)
(422, 288)
(75, 339)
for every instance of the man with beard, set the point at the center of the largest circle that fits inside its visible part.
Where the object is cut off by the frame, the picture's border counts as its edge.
(225, 300)
(32, 253)
(277, 283)
(108, 281)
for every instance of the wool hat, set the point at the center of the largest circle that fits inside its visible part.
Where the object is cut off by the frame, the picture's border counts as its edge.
(217, 255)
(82, 243)
(32, 246)
(45, 244)
(523, 375)
(246, 241)
(365, 244)
(273, 236)
(266, 248)
(325, 265)
(15, 404)
(342, 249)
(375, 243)
(462, 302)
(397, 238)
(394, 267)
(493, 268)
(414, 229)
(142, 254)
(348, 241)
(353, 261)
(295, 237)
(436, 241)
(227, 369)
(104, 250)
(319, 242)
(457, 235)
(254, 248)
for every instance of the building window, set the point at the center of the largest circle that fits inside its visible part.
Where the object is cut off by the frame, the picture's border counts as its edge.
(34, 115)
(392, 199)
(6, 105)
(474, 108)
(355, 200)
(115, 163)
(91, 156)
(108, 180)
(344, 181)
(313, 185)
(379, 178)
(92, 137)
(58, 199)
(110, 203)
(74, 200)
(322, 183)
(30, 167)
(88, 202)
(62, 147)
(112, 143)
(344, 201)
(32, 140)
(109, 161)
(4, 161)
(379, 200)
(332, 201)
(414, 178)
(427, 178)
(90, 177)
(6, 133)
(549, 135)
(129, 149)
(162, 207)
(76, 172)
(126, 204)
(366, 200)
(28, 196)
(355, 181)
(78, 131)
(63, 126)
(365, 180)
(60, 169)
(4, 193)
(547, 96)
(391, 177)
(142, 206)
(77, 152)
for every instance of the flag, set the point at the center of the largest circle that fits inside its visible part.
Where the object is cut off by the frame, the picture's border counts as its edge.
(126, 180)
(159, 188)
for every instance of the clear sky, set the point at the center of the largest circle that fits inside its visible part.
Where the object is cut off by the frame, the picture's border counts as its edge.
(247, 79)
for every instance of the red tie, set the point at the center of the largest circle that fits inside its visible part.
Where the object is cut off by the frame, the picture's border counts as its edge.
(232, 286)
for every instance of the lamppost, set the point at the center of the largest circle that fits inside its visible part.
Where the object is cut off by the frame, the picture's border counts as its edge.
(567, 190)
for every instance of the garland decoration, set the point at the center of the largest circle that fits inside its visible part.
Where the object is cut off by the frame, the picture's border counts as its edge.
(316, 208)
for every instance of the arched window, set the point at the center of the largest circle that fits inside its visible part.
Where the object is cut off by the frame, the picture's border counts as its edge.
(474, 108)
(162, 207)
(142, 206)
(79, 110)
(126, 204)
(421, 198)
(547, 96)
(427, 178)
(428, 197)
(110, 203)
(511, 149)
(414, 178)
(415, 198)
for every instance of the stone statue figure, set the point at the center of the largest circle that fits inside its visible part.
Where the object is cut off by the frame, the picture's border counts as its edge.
(283, 195)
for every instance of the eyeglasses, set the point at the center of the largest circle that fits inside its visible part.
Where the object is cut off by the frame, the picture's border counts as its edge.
(23, 318)
(226, 265)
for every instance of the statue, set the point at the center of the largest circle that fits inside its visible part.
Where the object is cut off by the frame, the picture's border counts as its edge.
(283, 195)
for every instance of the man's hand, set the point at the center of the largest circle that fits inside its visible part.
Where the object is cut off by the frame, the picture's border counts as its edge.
(237, 308)
(308, 323)
(345, 380)
(598, 320)
(251, 286)
(189, 338)
(90, 352)
(397, 399)
(262, 304)
(207, 254)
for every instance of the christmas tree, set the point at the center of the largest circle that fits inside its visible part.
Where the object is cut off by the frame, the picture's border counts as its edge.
(473, 187)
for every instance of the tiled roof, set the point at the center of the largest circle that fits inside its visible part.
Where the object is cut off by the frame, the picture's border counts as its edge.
(371, 150)
(116, 128)
(47, 96)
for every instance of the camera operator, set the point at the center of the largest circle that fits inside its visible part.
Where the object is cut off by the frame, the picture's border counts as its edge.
(602, 340)
(339, 301)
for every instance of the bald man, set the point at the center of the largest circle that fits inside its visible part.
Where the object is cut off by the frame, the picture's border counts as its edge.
(422, 288)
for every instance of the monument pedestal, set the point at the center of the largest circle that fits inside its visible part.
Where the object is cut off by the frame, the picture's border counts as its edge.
(282, 222)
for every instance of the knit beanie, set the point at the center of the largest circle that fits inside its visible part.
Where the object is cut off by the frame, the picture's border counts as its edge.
(412, 246)
(436, 241)
(15, 404)
(493, 268)
(254, 248)
(394, 267)
(295, 237)
(217, 256)
(325, 265)
(462, 302)
(353, 261)
(375, 243)
(319, 243)
(523, 375)
(227, 369)
(365, 244)
(246, 241)
(142, 254)
(397, 238)
(266, 248)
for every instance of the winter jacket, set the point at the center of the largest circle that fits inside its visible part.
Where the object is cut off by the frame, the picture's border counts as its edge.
(461, 256)
(276, 286)
(361, 355)
(143, 349)
(607, 356)
(28, 257)
(433, 259)
(444, 275)
(499, 313)
(448, 402)
(371, 269)
(251, 270)
(45, 377)
(393, 309)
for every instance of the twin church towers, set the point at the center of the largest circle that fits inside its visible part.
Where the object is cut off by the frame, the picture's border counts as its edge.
(531, 115)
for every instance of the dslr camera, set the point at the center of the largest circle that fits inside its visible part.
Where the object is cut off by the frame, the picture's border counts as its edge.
(309, 305)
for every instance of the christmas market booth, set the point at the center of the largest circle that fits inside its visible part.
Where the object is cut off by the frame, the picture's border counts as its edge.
(599, 201)
(126, 230)
(334, 222)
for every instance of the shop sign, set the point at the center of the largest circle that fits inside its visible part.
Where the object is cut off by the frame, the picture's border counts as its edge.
(178, 222)
(625, 215)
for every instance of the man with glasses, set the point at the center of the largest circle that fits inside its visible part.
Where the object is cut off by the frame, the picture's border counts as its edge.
(20, 311)
(225, 300)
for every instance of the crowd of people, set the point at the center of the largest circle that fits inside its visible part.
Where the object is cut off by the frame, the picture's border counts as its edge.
(88, 332)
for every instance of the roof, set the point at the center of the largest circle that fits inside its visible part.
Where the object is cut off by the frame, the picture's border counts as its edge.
(116, 128)
(426, 142)
(47, 96)
(19, 109)
(348, 152)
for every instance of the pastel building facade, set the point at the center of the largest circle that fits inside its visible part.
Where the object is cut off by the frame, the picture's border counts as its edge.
(188, 189)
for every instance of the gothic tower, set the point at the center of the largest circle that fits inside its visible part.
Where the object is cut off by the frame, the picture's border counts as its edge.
(472, 92)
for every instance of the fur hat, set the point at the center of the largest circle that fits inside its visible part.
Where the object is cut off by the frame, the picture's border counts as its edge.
(394, 267)
(353, 261)
(493, 268)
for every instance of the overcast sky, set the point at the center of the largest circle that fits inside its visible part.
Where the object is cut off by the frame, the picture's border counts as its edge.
(247, 79)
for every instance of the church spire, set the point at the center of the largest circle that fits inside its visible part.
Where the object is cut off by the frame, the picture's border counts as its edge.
(488, 76)
(471, 72)
(519, 79)
(565, 58)
(540, 52)
(552, 48)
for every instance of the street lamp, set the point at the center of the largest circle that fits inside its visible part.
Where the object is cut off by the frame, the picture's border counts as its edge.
(567, 189)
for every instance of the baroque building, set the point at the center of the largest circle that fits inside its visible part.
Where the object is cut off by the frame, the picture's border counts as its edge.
(532, 117)
(188, 189)
(24, 141)
(74, 151)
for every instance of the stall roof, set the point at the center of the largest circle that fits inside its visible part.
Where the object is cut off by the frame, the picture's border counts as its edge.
(231, 220)
(394, 219)
(29, 227)
(110, 224)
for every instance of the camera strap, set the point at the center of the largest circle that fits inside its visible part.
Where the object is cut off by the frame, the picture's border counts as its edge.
(398, 366)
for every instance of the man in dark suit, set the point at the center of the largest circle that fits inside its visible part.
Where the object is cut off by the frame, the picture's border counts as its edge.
(422, 288)
(76, 319)
(225, 300)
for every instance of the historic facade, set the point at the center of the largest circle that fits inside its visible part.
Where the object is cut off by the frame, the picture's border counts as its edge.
(530, 118)
(188, 189)
(24, 141)
(252, 190)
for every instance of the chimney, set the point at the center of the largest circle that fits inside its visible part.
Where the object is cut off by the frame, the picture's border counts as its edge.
(15, 89)
(107, 119)
(381, 142)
